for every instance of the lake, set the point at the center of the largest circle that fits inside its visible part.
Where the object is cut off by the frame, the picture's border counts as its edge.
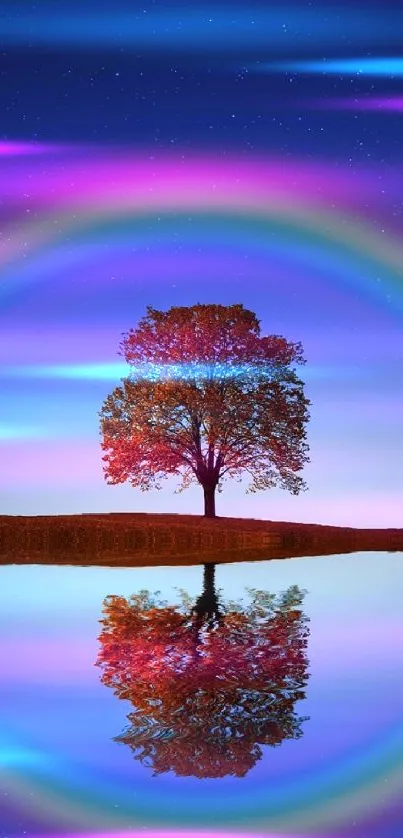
(319, 751)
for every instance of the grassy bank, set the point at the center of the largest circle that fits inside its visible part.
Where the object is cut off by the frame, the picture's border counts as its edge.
(140, 539)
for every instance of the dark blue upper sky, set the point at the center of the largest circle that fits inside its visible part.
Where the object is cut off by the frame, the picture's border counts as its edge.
(195, 76)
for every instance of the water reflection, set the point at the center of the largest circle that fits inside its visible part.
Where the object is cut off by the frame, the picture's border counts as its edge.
(210, 681)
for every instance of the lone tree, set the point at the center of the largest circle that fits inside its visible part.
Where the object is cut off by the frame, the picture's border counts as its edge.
(208, 398)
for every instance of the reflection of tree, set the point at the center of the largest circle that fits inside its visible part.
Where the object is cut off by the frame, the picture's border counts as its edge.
(209, 684)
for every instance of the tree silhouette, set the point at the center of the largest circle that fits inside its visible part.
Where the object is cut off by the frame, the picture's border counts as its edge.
(208, 398)
(210, 683)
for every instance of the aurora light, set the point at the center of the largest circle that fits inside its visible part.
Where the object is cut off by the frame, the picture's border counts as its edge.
(197, 27)
(111, 372)
(13, 431)
(393, 104)
(12, 149)
(388, 67)
(157, 372)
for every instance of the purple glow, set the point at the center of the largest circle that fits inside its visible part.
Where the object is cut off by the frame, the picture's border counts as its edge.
(179, 833)
(200, 180)
(369, 103)
(16, 149)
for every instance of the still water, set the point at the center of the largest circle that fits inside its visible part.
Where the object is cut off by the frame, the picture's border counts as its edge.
(279, 713)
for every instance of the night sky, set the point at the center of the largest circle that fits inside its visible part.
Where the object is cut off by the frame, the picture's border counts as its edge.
(160, 155)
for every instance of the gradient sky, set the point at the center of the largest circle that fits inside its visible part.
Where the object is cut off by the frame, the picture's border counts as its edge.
(224, 153)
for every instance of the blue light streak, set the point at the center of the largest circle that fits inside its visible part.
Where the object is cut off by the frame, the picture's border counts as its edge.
(15, 432)
(193, 26)
(112, 372)
(387, 67)
(146, 371)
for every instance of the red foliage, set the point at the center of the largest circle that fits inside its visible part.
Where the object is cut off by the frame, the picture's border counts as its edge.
(239, 409)
(204, 701)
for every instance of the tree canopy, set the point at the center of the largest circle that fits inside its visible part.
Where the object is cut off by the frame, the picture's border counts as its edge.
(206, 695)
(208, 398)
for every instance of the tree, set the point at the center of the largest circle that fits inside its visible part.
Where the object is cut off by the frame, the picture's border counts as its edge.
(208, 398)
(209, 683)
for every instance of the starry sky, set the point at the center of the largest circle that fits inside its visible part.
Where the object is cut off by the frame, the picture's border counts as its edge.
(167, 155)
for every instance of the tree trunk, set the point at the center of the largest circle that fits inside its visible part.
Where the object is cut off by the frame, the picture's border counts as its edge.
(209, 591)
(206, 610)
(209, 501)
(206, 604)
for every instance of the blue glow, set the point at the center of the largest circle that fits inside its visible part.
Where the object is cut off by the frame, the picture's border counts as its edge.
(150, 372)
(192, 26)
(350, 66)
(165, 372)
(14, 756)
(10, 433)
(87, 372)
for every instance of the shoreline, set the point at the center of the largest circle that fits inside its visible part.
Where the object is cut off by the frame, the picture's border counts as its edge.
(126, 539)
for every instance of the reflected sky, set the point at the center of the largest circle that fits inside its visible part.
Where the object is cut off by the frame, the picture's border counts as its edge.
(63, 771)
